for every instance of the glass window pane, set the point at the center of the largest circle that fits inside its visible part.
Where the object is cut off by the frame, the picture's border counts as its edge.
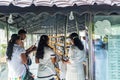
(106, 41)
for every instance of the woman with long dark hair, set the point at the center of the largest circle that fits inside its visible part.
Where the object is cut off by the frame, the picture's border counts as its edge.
(16, 58)
(45, 57)
(75, 70)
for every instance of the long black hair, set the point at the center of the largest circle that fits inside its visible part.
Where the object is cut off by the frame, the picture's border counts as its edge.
(77, 42)
(11, 43)
(42, 43)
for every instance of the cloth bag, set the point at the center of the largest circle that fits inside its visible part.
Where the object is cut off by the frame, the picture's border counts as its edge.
(28, 75)
(29, 61)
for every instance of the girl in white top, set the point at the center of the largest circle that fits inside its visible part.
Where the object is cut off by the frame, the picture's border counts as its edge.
(75, 70)
(45, 57)
(16, 59)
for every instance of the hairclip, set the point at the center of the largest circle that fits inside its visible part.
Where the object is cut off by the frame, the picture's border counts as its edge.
(75, 37)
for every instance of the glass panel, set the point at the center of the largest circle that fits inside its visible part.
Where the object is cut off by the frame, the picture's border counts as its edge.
(106, 41)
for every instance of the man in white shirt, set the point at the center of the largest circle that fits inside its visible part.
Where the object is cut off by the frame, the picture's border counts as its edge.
(22, 33)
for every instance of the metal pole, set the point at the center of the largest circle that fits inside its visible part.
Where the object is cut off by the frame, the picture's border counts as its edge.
(56, 30)
(51, 35)
(7, 31)
(32, 38)
(49, 31)
(56, 27)
(86, 49)
(65, 34)
(32, 43)
(91, 73)
(77, 25)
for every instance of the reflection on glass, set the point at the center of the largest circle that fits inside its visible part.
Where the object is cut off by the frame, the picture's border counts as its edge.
(100, 60)
(106, 31)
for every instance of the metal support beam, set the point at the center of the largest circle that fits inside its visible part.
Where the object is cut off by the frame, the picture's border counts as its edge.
(91, 73)
(7, 30)
(77, 26)
(65, 34)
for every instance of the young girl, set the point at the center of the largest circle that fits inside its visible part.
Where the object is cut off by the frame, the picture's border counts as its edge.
(16, 59)
(75, 70)
(45, 57)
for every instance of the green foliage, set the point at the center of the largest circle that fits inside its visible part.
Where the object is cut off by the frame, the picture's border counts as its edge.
(3, 50)
(3, 46)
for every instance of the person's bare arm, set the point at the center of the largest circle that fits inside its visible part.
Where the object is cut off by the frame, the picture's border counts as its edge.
(31, 49)
(24, 58)
(53, 60)
(36, 60)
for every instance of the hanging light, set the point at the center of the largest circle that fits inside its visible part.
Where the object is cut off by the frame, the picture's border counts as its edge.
(10, 19)
(71, 16)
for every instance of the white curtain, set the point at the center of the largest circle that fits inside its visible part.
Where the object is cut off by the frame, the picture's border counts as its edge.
(22, 3)
(59, 3)
(5, 2)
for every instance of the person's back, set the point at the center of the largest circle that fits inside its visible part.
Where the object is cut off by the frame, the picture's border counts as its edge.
(75, 67)
(76, 54)
(45, 57)
(15, 65)
(46, 64)
(75, 70)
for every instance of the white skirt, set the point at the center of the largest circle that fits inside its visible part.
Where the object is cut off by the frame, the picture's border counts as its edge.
(75, 72)
(45, 72)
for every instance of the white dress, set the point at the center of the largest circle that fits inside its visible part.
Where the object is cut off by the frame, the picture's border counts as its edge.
(100, 64)
(62, 67)
(46, 69)
(15, 67)
(75, 70)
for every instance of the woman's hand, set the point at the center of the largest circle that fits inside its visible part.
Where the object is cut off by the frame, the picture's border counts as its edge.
(32, 48)
(37, 60)
(24, 58)
(67, 62)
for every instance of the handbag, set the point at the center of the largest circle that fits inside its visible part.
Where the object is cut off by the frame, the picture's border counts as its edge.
(28, 75)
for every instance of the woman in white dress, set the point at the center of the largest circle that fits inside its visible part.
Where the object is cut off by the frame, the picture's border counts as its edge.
(45, 57)
(16, 59)
(75, 70)
(100, 60)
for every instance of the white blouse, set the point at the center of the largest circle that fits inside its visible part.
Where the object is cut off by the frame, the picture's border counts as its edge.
(75, 70)
(15, 65)
(46, 67)
(76, 55)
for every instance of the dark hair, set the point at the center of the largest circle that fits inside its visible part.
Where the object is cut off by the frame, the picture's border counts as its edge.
(22, 31)
(42, 43)
(14, 36)
(76, 40)
(11, 43)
